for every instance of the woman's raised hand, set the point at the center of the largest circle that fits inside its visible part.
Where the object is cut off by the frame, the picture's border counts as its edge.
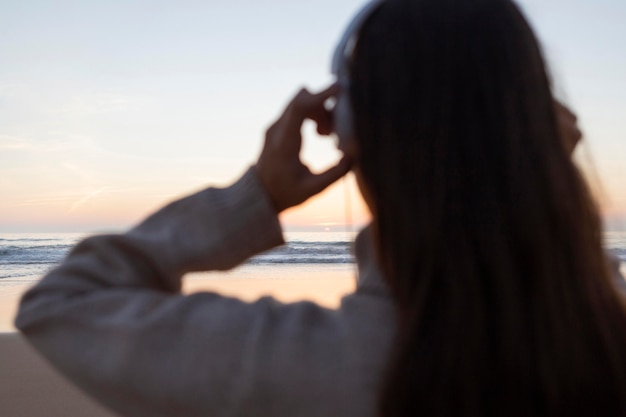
(286, 179)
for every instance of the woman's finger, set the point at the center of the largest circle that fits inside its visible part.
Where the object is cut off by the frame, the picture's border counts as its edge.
(317, 183)
(306, 105)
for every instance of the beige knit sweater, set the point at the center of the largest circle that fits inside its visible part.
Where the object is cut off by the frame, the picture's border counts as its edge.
(111, 318)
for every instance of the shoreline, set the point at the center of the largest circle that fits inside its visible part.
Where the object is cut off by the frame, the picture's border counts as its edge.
(29, 386)
(323, 284)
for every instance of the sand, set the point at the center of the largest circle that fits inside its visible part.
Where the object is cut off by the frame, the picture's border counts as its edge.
(29, 387)
(9, 299)
(289, 285)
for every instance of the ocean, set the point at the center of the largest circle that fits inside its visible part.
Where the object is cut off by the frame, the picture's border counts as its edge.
(25, 257)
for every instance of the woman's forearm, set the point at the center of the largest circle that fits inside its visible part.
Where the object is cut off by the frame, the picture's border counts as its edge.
(111, 318)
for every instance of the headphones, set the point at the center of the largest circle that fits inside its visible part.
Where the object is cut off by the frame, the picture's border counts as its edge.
(342, 112)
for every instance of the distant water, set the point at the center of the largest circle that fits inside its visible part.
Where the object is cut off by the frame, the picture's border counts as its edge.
(24, 257)
(615, 242)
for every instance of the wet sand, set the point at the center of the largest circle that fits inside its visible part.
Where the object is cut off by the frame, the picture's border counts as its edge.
(29, 387)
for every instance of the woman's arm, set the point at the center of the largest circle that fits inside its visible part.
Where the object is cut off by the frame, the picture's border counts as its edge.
(111, 318)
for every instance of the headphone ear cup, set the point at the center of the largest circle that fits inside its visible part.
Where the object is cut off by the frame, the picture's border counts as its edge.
(343, 111)
(343, 120)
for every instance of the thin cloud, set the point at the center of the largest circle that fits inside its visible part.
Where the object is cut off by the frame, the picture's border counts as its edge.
(91, 103)
(81, 173)
(81, 202)
(44, 201)
(53, 145)
(75, 199)
(72, 142)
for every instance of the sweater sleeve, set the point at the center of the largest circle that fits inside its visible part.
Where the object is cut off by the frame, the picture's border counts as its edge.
(111, 317)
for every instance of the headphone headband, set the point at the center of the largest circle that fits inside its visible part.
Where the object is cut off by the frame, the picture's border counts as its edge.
(347, 42)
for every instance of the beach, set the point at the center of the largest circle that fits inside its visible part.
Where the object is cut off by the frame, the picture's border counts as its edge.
(286, 283)
(311, 267)
(29, 387)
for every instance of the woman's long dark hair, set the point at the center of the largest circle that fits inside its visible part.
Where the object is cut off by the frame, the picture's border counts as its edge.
(488, 236)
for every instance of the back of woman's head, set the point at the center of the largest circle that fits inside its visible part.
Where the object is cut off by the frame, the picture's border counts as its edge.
(489, 239)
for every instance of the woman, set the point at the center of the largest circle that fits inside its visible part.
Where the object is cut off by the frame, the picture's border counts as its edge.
(483, 289)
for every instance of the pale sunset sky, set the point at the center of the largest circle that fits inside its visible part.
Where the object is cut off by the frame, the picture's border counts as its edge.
(111, 108)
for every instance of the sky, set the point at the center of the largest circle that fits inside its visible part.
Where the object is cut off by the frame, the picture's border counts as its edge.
(109, 109)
